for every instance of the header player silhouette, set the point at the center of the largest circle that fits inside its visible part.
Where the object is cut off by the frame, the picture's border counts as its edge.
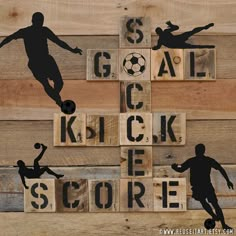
(200, 169)
(41, 63)
(36, 171)
(166, 38)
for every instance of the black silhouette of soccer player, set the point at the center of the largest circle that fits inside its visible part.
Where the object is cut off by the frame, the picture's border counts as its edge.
(36, 171)
(200, 169)
(166, 38)
(41, 63)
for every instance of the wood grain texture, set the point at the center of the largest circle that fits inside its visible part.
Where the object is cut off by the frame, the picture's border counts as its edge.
(14, 202)
(40, 188)
(71, 17)
(73, 66)
(189, 97)
(10, 181)
(103, 224)
(12, 198)
(220, 146)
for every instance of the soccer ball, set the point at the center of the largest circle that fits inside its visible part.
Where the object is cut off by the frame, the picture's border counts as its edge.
(134, 64)
(68, 107)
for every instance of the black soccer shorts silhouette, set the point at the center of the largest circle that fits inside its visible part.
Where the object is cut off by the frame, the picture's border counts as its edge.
(200, 169)
(36, 171)
(166, 38)
(41, 63)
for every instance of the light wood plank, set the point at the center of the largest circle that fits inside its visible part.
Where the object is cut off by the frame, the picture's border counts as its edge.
(103, 224)
(73, 66)
(14, 202)
(203, 131)
(71, 17)
(18, 97)
(10, 181)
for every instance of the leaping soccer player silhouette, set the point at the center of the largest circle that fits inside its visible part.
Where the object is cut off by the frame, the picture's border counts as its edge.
(166, 38)
(36, 171)
(200, 169)
(41, 63)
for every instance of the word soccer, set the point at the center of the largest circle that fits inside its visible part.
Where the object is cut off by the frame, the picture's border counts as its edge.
(135, 129)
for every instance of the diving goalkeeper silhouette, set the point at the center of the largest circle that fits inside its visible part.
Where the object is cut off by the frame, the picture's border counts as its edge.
(41, 63)
(36, 171)
(166, 38)
(200, 169)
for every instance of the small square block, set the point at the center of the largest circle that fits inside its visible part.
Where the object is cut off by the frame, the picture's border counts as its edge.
(169, 128)
(134, 64)
(200, 64)
(136, 195)
(72, 195)
(135, 96)
(169, 194)
(136, 129)
(40, 197)
(104, 195)
(135, 32)
(103, 130)
(102, 64)
(167, 64)
(136, 162)
(69, 130)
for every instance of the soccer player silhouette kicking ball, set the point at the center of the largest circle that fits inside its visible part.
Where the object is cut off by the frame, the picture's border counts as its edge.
(200, 169)
(36, 171)
(166, 38)
(41, 63)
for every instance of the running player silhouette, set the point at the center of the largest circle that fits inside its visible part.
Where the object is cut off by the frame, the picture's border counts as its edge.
(36, 171)
(200, 169)
(166, 38)
(41, 63)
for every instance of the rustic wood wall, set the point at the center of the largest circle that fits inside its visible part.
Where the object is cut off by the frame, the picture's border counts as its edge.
(26, 113)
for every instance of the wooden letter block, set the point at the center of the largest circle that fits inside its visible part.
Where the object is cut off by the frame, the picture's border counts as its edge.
(136, 195)
(200, 64)
(136, 129)
(69, 130)
(136, 162)
(40, 197)
(167, 64)
(72, 195)
(134, 64)
(135, 32)
(104, 195)
(102, 64)
(135, 96)
(169, 128)
(169, 194)
(103, 130)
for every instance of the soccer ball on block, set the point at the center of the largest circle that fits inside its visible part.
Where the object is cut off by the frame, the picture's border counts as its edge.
(134, 64)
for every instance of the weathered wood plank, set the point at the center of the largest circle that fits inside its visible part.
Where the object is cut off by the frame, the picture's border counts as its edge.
(71, 17)
(73, 66)
(41, 131)
(14, 202)
(194, 96)
(87, 95)
(23, 98)
(104, 223)
(10, 181)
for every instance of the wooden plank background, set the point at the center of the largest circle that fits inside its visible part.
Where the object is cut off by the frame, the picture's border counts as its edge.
(26, 112)
(71, 17)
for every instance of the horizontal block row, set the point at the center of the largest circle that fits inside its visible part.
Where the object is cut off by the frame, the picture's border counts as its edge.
(145, 64)
(126, 195)
(82, 129)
